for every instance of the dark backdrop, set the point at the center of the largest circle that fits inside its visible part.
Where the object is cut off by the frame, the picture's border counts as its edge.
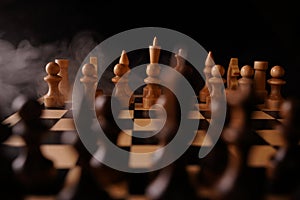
(249, 30)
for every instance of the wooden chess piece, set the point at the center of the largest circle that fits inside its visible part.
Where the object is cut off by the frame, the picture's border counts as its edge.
(172, 181)
(10, 188)
(89, 82)
(152, 90)
(217, 85)
(205, 91)
(233, 72)
(259, 78)
(64, 84)
(35, 172)
(283, 170)
(122, 89)
(104, 113)
(275, 99)
(246, 82)
(54, 98)
(238, 180)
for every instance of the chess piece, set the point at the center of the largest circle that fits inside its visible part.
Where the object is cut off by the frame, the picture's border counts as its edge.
(10, 188)
(259, 78)
(54, 98)
(283, 170)
(172, 181)
(104, 113)
(64, 84)
(209, 63)
(35, 172)
(246, 82)
(89, 81)
(122, 89)
(238, 181)
(217, 85)
(275, 99)
(94, 61)
(152, 89)
(233, 73)
(81, 181)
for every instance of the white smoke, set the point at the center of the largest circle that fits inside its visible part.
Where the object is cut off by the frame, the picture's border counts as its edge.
(22, 66)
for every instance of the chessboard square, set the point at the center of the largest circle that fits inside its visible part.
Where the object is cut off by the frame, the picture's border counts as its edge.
(126, 114)
(12, 120)
(64, 156)
(146, 124)
(195, 114)
(53, 114)
(261, 115)
(259, 155)
(272, 137)
(142, 156)
(15, 141)
(64, 124)
(125, 139)
(202, 139)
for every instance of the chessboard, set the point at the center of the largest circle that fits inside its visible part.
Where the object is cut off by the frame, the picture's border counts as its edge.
(44, 133)
(57, 144)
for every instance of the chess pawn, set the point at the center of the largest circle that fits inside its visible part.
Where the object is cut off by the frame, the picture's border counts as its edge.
(275, 99)
(217, 84)
(245, 83)
(89, 81)
(122, 90)
(64, 85)
(152, 90)
(54, 98)
(209, 63)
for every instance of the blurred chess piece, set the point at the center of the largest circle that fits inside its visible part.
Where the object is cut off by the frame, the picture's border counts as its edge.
(152, 90)
(34, 171)
(54, 98)
(283, 169)
(10, 188)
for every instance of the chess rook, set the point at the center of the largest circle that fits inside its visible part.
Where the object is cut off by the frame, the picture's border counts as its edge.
(54, 98)
(64, 85)
(260, 91)
(275, 99)
(152, 90)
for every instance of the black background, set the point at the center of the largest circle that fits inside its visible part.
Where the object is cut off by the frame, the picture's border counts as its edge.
(248, 30)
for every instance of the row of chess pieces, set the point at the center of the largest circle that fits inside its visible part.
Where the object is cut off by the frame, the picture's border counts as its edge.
(59, 88)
